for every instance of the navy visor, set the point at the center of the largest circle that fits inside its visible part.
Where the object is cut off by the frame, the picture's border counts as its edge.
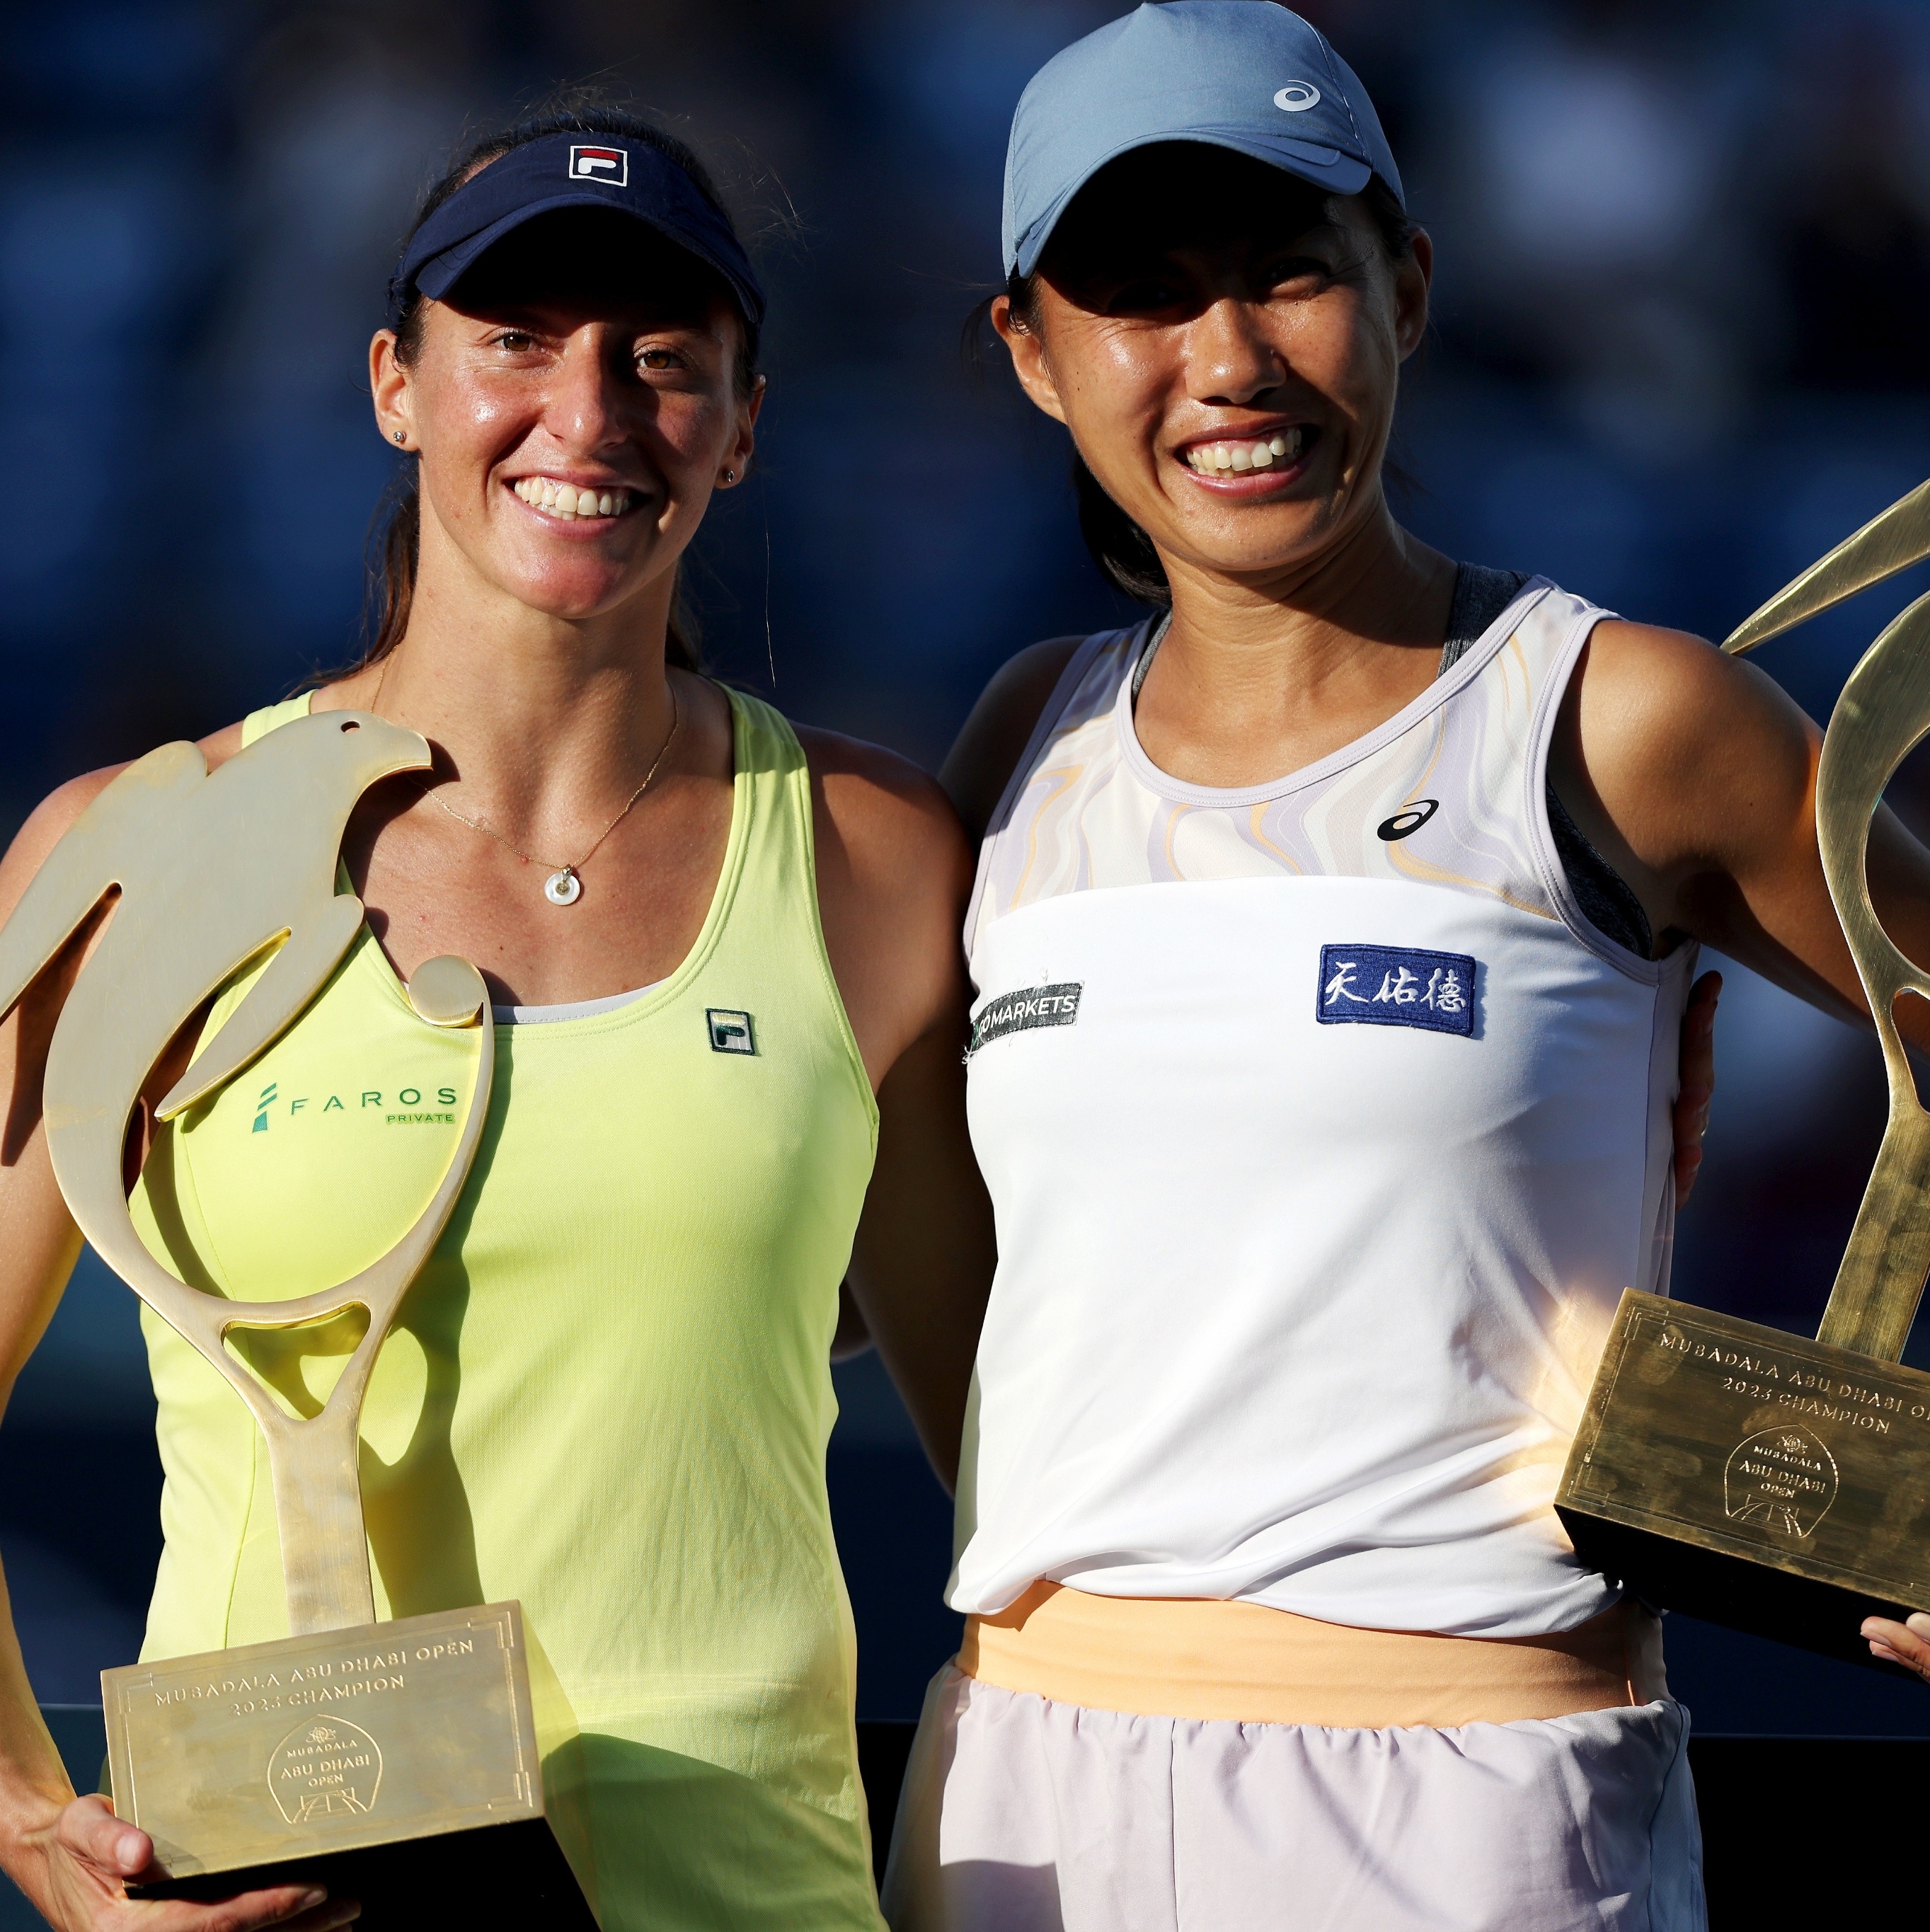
(573, 170)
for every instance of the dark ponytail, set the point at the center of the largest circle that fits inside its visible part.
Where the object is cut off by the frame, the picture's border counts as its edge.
(1122, 550)
(395, 534)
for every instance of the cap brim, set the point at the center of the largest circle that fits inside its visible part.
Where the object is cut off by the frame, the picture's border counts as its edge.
(440, 274)
(1324, 166)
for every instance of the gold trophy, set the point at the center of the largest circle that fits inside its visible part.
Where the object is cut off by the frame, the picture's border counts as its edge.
(429, 1766)
(1740, 1473)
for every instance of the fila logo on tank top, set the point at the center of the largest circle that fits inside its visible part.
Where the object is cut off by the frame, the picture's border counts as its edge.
(1324, 1133)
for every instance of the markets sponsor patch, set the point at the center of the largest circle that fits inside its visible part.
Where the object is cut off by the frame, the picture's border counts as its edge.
(1031, 1006)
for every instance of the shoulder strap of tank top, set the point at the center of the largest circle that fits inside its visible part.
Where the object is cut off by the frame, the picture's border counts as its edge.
(1078, 666)
(772, 900)
(1070, 680)
(258, 724)
(1481, 595)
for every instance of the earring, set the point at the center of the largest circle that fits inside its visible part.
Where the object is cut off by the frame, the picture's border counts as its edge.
(398, 436)
(730, 476)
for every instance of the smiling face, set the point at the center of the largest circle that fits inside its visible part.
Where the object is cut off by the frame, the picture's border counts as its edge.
(1224, 343)
(575, 401)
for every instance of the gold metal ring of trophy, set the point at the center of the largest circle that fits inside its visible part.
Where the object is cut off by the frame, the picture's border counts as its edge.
(564, 885)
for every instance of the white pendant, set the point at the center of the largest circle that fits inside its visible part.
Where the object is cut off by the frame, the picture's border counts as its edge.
(563, 888)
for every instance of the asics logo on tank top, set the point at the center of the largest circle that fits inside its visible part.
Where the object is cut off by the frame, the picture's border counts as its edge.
(1020, 1012)
(1397, 986)
(1408, 820)
(1297, 97)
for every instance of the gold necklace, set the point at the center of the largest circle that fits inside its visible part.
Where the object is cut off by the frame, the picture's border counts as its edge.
(564, 886)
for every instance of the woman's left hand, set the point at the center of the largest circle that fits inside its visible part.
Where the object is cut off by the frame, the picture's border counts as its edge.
(1907, 1644)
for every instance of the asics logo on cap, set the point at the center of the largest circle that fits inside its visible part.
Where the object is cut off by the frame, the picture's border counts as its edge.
(1296, 96)
(603, 164)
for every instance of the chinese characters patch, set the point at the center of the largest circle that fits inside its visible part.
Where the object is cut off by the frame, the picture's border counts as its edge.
(1396, 985)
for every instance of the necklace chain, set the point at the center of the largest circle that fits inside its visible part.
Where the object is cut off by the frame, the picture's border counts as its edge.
(562, 888)
(576, 865)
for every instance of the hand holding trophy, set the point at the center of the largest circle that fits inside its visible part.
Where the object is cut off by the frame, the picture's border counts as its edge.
(1737, 1472)
(386, 1760)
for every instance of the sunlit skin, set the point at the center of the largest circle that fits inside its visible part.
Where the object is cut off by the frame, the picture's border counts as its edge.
(558, 389)
(534, 662)
(1193, 296)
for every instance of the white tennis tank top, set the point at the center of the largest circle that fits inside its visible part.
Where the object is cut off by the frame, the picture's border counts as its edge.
(1323, 1132)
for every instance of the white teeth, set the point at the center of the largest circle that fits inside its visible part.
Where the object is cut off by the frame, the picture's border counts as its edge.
(1215, 458)
(566, 501)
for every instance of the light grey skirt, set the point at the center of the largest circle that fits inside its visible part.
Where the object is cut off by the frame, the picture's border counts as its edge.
(1020, 1814)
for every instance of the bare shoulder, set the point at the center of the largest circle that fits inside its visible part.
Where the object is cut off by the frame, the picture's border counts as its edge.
(46, 825)
(1674, 757)
(892, 819)
(1662, 702)
(994, 737)
(894, 869)
(54, 817)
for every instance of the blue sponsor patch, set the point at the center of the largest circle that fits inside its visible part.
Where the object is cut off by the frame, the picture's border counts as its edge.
(1396, 985)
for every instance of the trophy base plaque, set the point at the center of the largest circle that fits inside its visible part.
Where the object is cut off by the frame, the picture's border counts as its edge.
(1753, 1477)
(428, 1767)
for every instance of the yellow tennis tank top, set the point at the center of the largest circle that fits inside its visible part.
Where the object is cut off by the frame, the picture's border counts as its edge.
(608, 1394)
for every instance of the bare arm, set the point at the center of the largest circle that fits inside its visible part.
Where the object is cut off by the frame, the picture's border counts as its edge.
(1696, 774)
(993, 738)
(1698, 777)
(893, 872)
(71, 1856)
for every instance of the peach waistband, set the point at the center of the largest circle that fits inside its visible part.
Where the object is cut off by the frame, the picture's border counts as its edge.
(1245, 1662)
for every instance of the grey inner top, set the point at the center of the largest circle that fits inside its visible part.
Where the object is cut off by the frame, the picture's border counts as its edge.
(569, 1009)
(1481, 596)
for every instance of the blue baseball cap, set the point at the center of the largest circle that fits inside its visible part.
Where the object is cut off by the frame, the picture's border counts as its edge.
(573, 170)
(1243, 74)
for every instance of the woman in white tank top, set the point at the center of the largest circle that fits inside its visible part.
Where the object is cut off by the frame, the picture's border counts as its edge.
(1333, 935)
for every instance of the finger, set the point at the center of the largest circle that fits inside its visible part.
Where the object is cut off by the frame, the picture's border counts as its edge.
(1689, 1164)
(1702, 998)
(291, 1908)
(89, 1829)
(1899, 1643)
(1688, 1119)
(337, 1913)
(1697, 1067)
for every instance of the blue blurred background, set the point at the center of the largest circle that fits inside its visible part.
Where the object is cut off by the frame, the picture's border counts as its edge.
(1683, 298)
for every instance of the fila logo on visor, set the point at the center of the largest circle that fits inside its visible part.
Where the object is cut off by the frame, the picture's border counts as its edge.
(1396, 985)
(600, 164)
(1296, 96)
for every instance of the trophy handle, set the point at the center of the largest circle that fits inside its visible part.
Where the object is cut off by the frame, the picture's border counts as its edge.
(315, 1462)
(1884, 712)
(1891, 541)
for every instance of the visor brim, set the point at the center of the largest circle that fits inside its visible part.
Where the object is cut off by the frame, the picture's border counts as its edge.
(1323, 166)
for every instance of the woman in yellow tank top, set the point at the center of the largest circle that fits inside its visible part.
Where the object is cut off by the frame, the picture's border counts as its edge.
(725, 954)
